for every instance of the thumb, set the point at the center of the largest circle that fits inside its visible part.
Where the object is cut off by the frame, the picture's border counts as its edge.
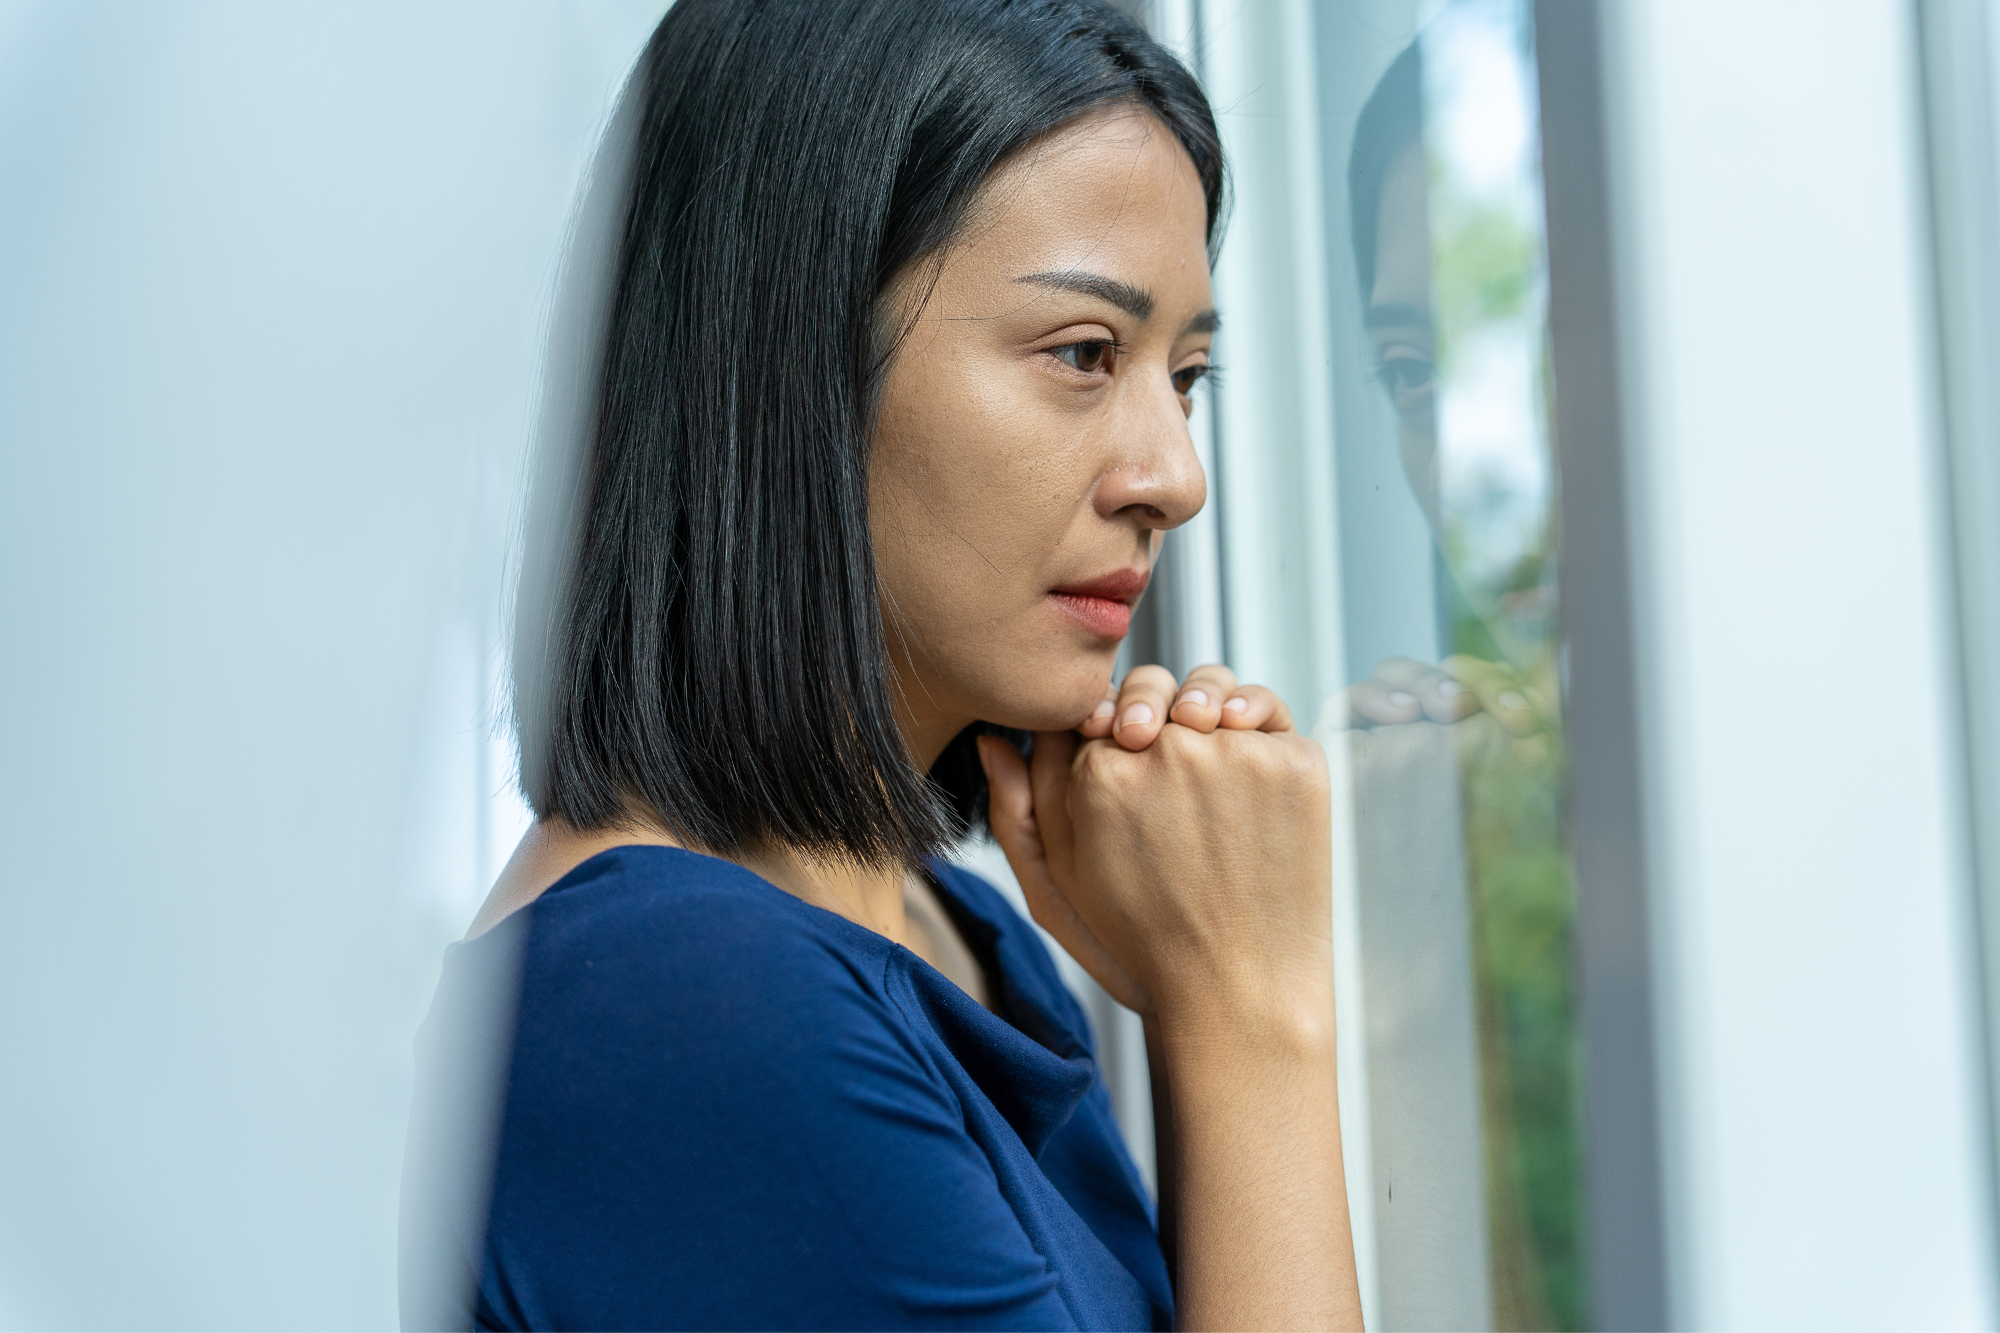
(1010, 805)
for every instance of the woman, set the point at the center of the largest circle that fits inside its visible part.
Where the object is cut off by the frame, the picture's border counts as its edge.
(889, 416)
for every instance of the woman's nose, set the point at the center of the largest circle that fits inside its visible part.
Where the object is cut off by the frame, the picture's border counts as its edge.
(1155, 475)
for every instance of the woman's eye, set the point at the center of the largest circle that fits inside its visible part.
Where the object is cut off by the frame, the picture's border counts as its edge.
(1407, 374)
(1184, 380)
(1088, 357)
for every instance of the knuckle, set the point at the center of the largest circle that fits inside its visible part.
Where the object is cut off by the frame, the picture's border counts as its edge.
(1308, 762)
(1269, 754)
(1273, 757)
(1104, 773)
(1119, 790)
(1091, 761)
(1238, 752)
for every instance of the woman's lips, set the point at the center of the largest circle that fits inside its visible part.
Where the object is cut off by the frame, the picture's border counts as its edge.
(1101, 615)
(1104, 605)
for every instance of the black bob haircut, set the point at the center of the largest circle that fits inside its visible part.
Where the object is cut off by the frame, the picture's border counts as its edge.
(699, 641)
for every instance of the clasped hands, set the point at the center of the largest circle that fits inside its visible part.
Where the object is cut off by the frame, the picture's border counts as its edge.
(1177, 845)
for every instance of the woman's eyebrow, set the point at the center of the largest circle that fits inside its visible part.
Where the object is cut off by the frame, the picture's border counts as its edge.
(1393, 315)
(1130, 299)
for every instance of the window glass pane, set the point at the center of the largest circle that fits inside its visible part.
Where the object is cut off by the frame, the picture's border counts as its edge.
(1450, 727)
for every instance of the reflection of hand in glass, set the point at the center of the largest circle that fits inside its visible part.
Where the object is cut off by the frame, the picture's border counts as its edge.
(1518, 704)
(1402, 690)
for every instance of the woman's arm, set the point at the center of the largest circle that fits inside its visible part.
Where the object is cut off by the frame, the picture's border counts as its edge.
(1261, 1197)
(1189, 869)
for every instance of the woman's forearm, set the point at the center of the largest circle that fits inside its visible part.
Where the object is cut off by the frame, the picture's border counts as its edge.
(1253, 1195)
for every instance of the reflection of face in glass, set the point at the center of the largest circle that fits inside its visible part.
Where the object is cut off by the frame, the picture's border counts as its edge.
(1406, 268)
(1399, 318)
(1389, 222)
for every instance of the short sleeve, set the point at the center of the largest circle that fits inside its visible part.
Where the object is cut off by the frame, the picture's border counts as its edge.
(713, 1120)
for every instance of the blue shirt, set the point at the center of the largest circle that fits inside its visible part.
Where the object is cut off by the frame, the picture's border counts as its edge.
(727, 1108)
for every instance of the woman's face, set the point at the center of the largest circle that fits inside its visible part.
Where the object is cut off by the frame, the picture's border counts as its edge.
(1032, 442)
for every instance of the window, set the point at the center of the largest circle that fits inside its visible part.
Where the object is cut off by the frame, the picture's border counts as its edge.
(1384, 550)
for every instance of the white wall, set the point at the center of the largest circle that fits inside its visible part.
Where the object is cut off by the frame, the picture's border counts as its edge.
(271, 279)
(1825, 1159)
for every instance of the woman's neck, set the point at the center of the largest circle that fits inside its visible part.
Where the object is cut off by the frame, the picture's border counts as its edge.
(869, 896)
(927, 720)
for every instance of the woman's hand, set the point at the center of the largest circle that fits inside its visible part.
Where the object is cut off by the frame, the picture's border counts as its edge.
(1179, 849)
(1179, 852)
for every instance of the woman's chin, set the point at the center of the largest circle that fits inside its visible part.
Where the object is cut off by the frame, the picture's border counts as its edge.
(1051, 712)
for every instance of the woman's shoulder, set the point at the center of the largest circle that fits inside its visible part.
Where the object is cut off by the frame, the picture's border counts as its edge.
(648, 927)
(649, 971)
(723, 1108)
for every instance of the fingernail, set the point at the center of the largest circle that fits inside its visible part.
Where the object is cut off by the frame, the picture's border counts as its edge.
(1103, 710)
(1237, 705)
(1199, 698)
(1138, 715)
(1450, 689)
(1401, 699)
(1512, 699)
